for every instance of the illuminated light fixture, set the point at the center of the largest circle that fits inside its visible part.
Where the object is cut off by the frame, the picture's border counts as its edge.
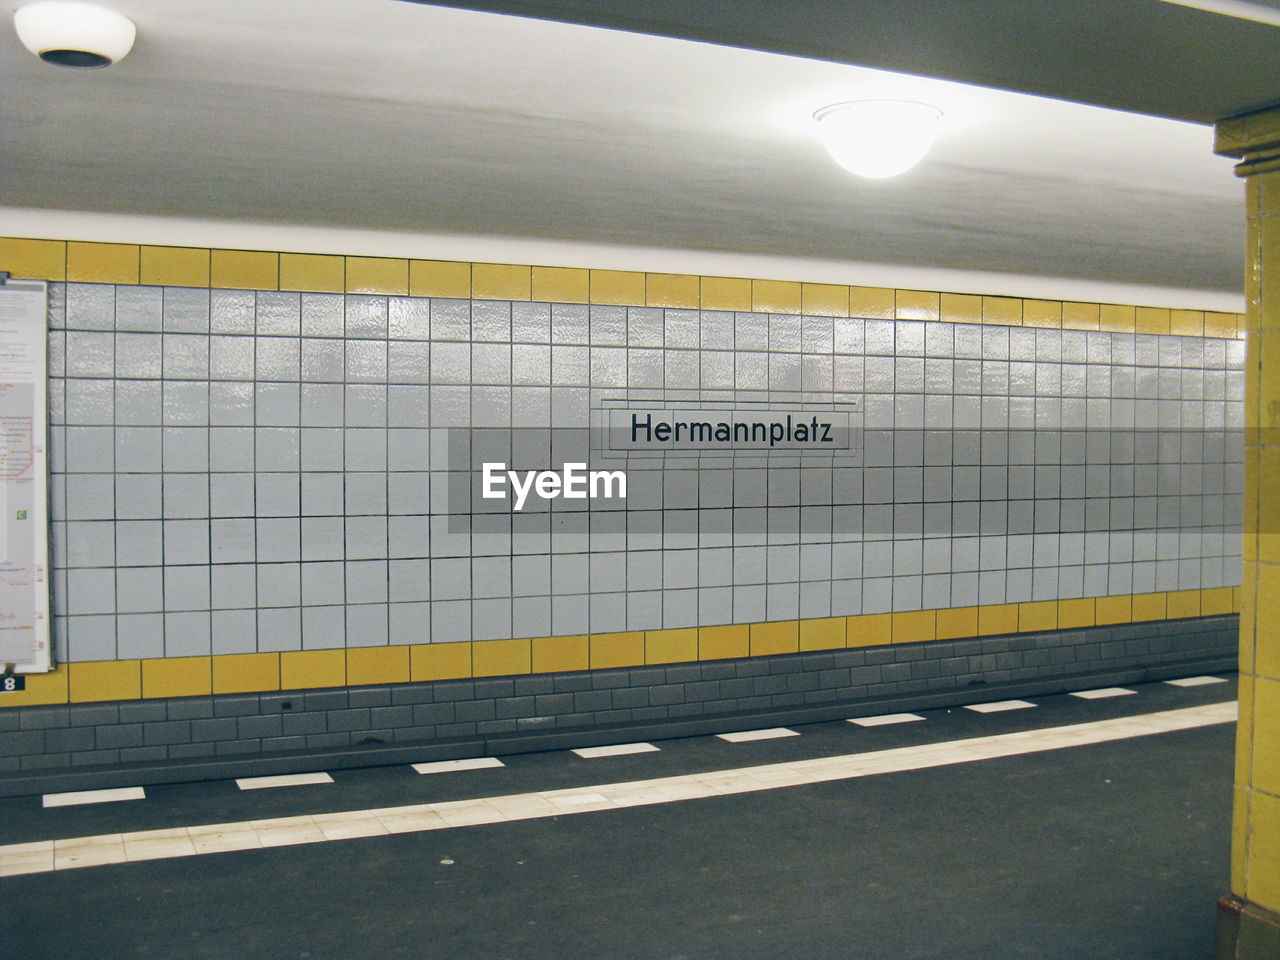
(72, 34)
(878, 138)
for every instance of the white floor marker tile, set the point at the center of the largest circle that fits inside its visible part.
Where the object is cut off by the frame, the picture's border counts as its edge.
(746, 736)
(1103, 693)
(283, 780)
(615, 750)
(450, 766)
(44, 856)
(1195, 681)
(77, 797)
(999, 706)
(885, 719)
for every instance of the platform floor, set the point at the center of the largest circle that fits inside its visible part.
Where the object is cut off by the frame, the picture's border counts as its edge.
(1112, 849)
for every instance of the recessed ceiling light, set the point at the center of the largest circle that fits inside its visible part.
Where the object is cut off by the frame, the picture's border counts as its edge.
(878, 138)
(71, 34)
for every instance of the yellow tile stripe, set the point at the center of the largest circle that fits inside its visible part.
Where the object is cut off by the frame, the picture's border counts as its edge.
(332, 273)
(310, 669)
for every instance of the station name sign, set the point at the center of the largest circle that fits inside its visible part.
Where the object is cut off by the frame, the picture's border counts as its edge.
(727, 430)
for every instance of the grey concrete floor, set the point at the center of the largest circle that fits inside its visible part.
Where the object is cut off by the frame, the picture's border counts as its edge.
(1114, 850)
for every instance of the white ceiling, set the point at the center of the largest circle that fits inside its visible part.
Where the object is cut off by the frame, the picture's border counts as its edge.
(381, 115)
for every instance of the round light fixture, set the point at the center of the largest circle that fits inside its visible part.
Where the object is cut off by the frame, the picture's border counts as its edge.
(878, 138)
(71, 34)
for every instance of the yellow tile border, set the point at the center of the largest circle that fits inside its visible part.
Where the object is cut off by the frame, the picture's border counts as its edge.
(311, 669)
(124, 263)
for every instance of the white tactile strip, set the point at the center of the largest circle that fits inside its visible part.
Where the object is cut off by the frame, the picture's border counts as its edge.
(614, 750)
(283, 780)
(885, 719)
(1000, 706)
(78, 797)
(1195, 681)
(1103, 693)
(749, 736)
(453, 766)
(46, 855)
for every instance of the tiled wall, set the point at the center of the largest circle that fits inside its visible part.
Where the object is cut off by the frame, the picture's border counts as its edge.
(243, 500)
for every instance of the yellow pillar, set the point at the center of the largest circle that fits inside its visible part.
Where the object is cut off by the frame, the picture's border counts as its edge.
(1249, 920)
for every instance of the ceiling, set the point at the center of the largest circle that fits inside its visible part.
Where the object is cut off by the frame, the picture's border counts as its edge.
(383, 115)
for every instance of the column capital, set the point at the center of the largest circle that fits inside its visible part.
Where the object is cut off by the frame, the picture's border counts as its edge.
(1253, 137)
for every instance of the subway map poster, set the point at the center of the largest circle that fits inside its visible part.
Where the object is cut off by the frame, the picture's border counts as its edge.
(24, 525)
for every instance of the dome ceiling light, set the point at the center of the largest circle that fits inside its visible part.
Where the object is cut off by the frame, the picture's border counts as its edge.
(878, 138)
(70, 34)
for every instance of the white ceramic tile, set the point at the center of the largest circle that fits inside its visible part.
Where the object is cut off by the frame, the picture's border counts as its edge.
(614, 750)
(885, 719)
(999, 706)
(77, 797)
(1103, 693)
(451, 766)
(747, 736)
(283, 780)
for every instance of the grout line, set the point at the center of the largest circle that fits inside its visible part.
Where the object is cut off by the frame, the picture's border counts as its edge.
(78, 797)
(49, 855)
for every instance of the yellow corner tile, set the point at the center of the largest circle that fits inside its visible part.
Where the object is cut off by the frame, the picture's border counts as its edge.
(775, 296)
(823, 633)
(385, 275)
(1186, 323)
(1117, 318)
(1246, 704)
(440, 661)
(174, 267)
(105, 680)
(1239, 835)
(1080, 316)
(102, 262)
(1041, 615)
(773, 637)
(1113, 609)
(726, 293)
(617, 650)
(1219, 324)
(915, 626)
(1182, 603)
(725, 642)
(501, 658)
(960, 308)
(997, 618)
(309, 669)
(1002, 310)
(1076, 613)
(1148, 606)
(671, 646)
(561, 285)
(1265, 747)
(246, 672)
(440, 278)
(561, 654)
(915, 305)
(41, 689)
(617, 288)
(1262, 870)
(501, 281)
(34, 259)
(672, 290)
(244, 269)
(177, 677)
(1042, 313)
(871, 303)
(312, 272)
(824, 299)
(1151, 320)
(869, 630)
(957, 623)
